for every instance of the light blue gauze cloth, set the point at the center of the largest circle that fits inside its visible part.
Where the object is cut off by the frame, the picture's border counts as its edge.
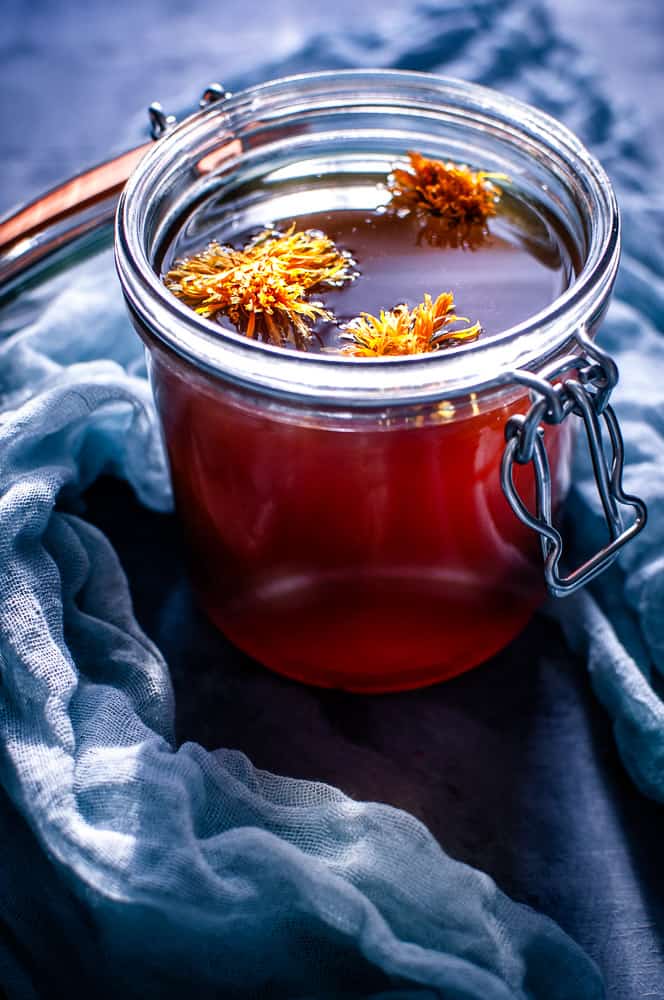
(194, 871)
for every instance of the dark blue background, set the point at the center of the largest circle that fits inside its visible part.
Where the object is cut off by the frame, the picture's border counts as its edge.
(513, 766)
(76, 74)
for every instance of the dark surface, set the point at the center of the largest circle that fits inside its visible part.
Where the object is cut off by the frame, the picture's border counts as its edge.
(513, 766)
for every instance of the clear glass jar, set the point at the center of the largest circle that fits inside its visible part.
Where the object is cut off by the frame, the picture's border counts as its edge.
(347, 519)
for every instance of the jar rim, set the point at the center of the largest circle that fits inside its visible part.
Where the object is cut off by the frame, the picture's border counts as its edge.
(335, 379)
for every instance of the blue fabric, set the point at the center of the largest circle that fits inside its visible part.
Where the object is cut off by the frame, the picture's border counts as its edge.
(193, 867)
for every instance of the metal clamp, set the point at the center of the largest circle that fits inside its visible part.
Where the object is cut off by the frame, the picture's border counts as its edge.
(161, 123)
(586, 395)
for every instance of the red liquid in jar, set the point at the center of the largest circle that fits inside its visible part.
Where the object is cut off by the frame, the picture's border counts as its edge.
(369, 555)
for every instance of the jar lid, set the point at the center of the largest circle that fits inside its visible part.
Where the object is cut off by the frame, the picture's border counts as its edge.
(366, 111)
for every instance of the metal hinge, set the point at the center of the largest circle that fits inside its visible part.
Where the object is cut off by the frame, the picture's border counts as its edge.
(161, 123)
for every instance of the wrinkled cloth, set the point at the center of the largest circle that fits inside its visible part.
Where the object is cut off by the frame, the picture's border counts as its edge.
(196, 870)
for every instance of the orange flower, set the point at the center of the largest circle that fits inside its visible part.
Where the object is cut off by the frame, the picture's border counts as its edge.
(263, 287)
(449, 190)
(405, 331)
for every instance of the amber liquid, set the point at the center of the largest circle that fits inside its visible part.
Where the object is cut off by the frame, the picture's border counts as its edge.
(369, 557)
(501, 274)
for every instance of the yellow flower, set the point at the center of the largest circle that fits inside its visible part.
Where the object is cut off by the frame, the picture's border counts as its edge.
(263, 288)
(451, 191)
(405, 331)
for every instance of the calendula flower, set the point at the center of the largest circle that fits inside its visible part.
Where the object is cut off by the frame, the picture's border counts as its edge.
(263, 288)
(450, 191)
(408, 331)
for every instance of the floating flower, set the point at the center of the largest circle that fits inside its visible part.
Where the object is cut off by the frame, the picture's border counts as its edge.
(408, 331)
(450, 191)
(263, 288)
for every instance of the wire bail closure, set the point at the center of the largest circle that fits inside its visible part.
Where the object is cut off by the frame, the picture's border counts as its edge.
(585, 394)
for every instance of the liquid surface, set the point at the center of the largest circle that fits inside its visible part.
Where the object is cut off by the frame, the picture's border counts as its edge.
(500, 276)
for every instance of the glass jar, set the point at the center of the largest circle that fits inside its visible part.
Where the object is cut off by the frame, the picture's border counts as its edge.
(368, 524)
